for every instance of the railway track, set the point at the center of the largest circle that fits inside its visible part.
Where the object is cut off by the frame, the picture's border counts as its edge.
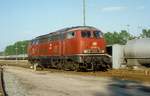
(2, 85)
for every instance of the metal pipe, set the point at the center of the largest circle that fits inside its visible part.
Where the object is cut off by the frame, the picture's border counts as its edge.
(16, 54)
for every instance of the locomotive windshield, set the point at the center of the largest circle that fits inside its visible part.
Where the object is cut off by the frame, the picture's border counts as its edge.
(97, 34)
(86, 34)
(93, 34)
(70, 35)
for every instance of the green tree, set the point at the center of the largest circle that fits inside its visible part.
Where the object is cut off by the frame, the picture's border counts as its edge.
(10, 50)
(145, 33)
(124, 36)
(109, 38)
(19, 47)
(118, 37)
(1, 53)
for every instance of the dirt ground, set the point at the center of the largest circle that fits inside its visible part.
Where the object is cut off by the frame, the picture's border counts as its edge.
(54, 83)
(136, 75)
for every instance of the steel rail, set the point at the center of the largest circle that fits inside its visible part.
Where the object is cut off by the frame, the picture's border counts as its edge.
(2, 83)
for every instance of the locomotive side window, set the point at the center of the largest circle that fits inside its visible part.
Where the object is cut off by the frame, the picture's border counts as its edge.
(86, 34)
(70, 35)
(34, 42)
(55, 37)
(43, 40)
(62, 36)
(97, 34)
(49, 38)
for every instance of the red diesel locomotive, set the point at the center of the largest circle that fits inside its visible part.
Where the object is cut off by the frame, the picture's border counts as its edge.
(75, 48)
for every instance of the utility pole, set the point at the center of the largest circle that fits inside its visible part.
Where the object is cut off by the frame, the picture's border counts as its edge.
(84, 13)
(16, 54)
(4, 54)
(23, 49)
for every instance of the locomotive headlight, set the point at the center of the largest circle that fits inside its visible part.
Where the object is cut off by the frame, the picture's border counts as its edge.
(94, 43)
(103, 51)
(85, 51)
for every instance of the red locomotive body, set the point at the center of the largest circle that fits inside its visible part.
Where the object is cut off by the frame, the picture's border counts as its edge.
(75, 48)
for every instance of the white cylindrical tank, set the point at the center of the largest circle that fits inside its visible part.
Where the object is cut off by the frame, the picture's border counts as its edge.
(138, 49)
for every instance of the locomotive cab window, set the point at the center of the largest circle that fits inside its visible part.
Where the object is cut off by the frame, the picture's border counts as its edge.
(43, 40)
(49, 38)
(70, 35)
(53, 37)
(32, 42)
(97, 34)
(35, 42)
(86, 34)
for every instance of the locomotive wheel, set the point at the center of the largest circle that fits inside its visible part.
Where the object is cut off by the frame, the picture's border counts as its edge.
(76, 67)
(59, 65)
(64, 65)
(107, 61)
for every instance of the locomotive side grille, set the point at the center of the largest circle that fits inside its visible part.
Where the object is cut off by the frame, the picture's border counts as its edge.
(94, 50)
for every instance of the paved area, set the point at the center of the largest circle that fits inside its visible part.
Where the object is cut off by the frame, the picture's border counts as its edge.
(26, 82)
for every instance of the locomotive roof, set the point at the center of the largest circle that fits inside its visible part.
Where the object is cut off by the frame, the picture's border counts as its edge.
(69, 29)
(76, 28)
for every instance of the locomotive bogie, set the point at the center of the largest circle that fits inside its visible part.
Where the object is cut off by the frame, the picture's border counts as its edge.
(81, 62)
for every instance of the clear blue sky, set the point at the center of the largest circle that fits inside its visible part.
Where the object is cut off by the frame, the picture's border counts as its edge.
(25, 19)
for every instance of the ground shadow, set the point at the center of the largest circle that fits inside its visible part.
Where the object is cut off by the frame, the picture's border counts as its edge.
(119, 87)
